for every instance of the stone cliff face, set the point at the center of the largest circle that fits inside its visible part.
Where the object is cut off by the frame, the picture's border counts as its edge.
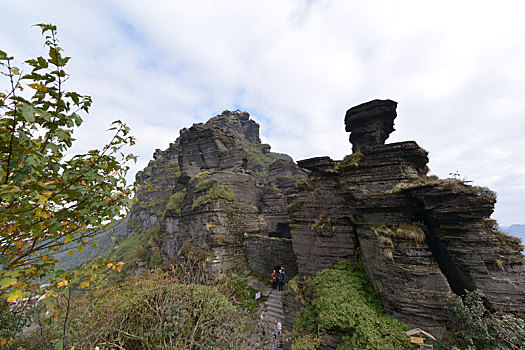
(218, 188)
(420, 238)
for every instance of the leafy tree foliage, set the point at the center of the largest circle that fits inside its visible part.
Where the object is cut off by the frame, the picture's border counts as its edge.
(473, 327)
(48, 197)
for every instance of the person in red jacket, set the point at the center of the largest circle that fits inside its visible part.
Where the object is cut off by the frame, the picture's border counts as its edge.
(273, 279)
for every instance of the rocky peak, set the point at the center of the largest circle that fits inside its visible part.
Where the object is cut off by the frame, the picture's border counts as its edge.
(370, 123)
(238, 123)
(218, 188)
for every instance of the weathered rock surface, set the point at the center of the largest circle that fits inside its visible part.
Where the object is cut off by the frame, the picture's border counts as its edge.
(370, 123)
(215, 188)
(420, 238)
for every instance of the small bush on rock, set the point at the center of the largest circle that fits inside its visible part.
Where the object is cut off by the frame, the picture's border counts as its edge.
(473, 327)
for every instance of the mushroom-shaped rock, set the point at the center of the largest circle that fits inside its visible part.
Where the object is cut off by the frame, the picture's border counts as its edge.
(370, 123)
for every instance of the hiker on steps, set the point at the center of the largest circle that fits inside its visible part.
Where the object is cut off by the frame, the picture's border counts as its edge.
(262, 319)
(278, 333)
(273, 279)
(280, 279)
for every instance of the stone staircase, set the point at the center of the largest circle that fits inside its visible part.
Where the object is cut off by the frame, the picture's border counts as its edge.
(274, 307)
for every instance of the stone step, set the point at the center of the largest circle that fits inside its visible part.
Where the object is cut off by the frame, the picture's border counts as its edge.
(274, 302)
(274, 307)
(274, 310)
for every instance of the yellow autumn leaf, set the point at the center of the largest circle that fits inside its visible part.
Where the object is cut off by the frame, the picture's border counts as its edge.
(3, 342)
(7, 282)
(14, 296)
(39, 87)
(63, 283)
(84, 284)
(50, 293)
(119, 266)
(110, 265)
(70, 252)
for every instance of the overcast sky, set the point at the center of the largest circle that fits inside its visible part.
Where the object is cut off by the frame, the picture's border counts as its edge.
(456, 68)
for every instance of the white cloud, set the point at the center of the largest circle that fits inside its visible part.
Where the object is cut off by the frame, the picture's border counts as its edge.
(454, 67)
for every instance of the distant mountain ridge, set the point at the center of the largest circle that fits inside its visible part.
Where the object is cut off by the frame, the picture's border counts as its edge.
(517, 230)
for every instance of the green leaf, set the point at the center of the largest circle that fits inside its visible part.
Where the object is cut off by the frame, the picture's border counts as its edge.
(46, 27)
(59, 345)
(28, 112)
(4, 57)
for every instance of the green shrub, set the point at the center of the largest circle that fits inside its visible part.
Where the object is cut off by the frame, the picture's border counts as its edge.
(200, 176)
(344, 300)
(242, 294)
(350, 161)
(132, 250)
(294, 207)
(176, 202)
(195, 253)
(210, 192)
(154, 311)
(306, 320)
(156, 260)
(473, 327)
(13, 319)
(306, 342)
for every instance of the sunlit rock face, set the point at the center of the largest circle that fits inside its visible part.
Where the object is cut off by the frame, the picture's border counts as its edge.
(421, 239)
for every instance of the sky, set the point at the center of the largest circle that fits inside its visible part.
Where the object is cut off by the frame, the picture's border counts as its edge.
(456, 69)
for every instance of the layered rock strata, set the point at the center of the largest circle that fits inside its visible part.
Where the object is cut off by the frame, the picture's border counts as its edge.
(213, 188)
(420, 238)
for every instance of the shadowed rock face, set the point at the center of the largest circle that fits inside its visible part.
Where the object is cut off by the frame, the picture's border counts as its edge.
(420, 238)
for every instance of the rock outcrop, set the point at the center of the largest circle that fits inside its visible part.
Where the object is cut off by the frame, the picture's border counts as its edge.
(370, 123)
(420, 238)
(218, 189)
